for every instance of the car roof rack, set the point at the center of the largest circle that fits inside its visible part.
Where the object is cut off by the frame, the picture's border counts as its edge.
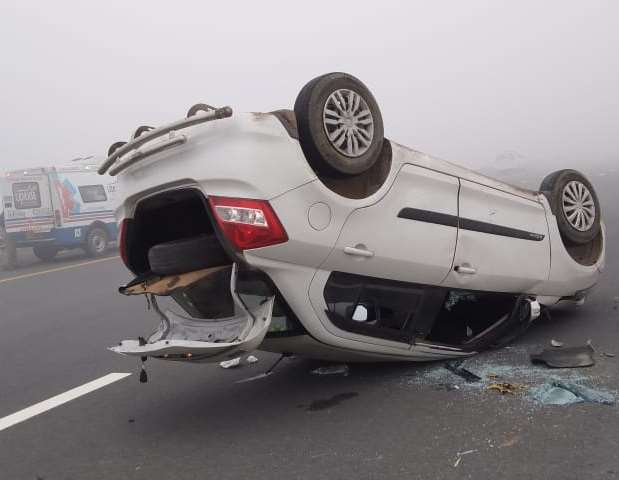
(208, 115)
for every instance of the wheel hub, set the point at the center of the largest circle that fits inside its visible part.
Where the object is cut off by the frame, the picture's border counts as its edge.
(348, 122)
(578, 206)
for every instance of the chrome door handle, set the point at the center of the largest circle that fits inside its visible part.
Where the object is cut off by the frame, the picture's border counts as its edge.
(465, 269)
(358, 252)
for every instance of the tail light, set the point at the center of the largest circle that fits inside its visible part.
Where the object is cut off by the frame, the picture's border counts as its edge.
(248, 223)
(122, 241)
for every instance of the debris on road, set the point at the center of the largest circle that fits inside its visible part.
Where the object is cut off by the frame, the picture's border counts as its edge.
(235, 362)
(448, 387)
(590, 343)
(567, 393)
(609, 355)
(467, 375)
(332, 370)
(556, 343)
(251, 359)
(255, 377)
(459, 456)
(504, 388)
(571, 357)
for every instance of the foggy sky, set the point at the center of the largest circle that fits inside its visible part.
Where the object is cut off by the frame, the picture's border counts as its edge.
(460, 80)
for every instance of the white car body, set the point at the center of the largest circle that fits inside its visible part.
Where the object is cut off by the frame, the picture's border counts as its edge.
(431, 223)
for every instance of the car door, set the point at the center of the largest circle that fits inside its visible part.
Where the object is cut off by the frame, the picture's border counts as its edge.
(409, 235)
(503, 241)
(376, 285)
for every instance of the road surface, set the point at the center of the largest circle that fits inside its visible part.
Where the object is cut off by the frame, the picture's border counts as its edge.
(193, 421)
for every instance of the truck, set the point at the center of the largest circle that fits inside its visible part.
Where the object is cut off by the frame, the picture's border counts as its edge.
(50, 209)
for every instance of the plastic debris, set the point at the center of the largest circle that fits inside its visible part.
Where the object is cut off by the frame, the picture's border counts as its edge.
(235, 362)
(455, 367)
(556, 343)
(567, 393)
(255, 377)
(504, 388)
(571, 357)
(459, 456)
(332, 370)
(448, 387)
(252, 359)
(609, 355)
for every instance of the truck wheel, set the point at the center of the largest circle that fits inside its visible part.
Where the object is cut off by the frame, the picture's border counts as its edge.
(575, 205)
(340, 125)
(45, 252)
(96, 242)
(187, 255)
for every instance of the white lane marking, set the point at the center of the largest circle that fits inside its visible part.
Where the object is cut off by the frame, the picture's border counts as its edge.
(58, 400)
(59, 269)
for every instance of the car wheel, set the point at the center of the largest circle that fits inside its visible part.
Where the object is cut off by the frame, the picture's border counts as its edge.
(187, 255)
(45, 252)
(575, 205)
(340, 125)
(96, 242)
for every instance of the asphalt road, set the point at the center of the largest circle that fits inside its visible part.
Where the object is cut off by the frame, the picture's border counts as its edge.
(193, 421)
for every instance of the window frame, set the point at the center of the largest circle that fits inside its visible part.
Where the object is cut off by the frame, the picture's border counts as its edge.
(428, 301)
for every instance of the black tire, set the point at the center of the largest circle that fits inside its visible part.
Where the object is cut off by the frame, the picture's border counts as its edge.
(96, 242)
(187, 255)
(323, 155)
(45, 252)
(553, 187)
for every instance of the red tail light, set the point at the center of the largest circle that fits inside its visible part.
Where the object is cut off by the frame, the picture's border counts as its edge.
(248, 223)
(122, 241)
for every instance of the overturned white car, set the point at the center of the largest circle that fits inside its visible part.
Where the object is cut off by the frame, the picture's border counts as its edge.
(308, 232)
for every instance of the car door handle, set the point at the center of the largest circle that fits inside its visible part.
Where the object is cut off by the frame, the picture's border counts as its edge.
(358, 252)
(465, 269)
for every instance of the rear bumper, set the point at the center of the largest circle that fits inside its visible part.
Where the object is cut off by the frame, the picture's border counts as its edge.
(182, 339)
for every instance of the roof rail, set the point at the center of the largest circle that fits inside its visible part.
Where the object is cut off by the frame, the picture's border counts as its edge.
(210, 115)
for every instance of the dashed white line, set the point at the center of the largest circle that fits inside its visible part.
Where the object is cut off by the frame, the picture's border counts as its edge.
(58, 400)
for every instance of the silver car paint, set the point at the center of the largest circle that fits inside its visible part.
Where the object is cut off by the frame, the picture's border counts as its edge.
(252, 156)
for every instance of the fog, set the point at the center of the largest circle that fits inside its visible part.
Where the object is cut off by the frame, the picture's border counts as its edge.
(525, 82)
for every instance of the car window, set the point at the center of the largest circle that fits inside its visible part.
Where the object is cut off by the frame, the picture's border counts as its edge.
(26, 195)
(92, 193)
(373, 307)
